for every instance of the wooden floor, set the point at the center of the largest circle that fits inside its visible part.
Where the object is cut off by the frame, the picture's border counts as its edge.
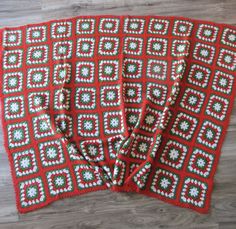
(121, 210)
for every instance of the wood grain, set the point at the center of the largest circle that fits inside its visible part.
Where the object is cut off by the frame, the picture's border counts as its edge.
(122, 210)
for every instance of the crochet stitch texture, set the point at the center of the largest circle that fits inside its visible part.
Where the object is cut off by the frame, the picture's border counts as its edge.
(126, 103)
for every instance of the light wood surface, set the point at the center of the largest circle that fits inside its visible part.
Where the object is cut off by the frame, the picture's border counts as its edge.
(122, 210)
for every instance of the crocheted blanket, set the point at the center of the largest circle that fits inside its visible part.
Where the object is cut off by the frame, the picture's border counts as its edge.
(127, 103)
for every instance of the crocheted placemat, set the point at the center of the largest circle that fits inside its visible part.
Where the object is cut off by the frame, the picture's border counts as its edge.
(126, 103)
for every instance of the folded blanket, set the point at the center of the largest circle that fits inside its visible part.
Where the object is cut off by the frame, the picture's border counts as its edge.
(127, 103)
